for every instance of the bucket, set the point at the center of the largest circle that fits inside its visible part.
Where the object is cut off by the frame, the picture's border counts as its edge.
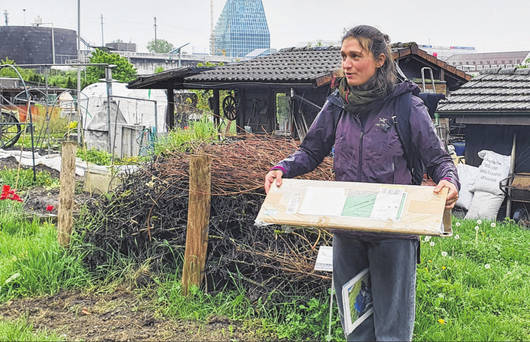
(460, 148)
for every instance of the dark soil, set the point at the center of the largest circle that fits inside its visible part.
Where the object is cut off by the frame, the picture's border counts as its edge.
(117, 316)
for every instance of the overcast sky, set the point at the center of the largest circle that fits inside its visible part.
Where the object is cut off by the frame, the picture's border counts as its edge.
(488, 25)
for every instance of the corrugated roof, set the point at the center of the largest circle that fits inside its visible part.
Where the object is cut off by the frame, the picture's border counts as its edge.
(499, 90)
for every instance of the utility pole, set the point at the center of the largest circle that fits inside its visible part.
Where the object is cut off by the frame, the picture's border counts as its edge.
(24, 12)
(155, 30)
(102, 40)
(80, 122)
(212, 41)
(5, 15)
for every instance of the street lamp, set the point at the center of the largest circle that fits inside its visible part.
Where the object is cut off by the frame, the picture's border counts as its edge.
(179, 51)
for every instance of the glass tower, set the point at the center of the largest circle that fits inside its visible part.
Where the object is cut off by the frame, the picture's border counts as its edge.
(240, 29)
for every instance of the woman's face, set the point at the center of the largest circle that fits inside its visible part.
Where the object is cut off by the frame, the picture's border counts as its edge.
(358, 64)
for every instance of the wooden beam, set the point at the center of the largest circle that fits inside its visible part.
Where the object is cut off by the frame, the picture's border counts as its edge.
(216, 110)
(170, 111)
(198, 219)
(66, 193)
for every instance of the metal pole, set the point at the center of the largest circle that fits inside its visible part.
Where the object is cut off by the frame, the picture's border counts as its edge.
(80, 123)
(512, 169)
(108, 80)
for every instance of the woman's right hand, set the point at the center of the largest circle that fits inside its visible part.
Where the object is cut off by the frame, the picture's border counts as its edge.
(270, 177)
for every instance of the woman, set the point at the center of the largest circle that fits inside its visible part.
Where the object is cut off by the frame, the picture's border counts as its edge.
(358, 119)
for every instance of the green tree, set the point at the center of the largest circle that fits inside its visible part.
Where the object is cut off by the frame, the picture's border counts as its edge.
(159, 46)
(124, 70)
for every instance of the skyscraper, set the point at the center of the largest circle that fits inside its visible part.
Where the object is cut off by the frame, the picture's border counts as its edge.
(241, 28)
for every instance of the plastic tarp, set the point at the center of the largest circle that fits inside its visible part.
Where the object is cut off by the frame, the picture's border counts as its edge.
(136, 110)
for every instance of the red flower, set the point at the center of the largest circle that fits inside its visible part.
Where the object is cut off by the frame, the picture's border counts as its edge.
(49, 208)
(7, 193)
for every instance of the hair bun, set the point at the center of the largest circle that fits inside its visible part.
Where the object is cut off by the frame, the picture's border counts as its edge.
(387, 38)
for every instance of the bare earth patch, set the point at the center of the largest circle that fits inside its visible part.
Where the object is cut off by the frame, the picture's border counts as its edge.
(117, 316)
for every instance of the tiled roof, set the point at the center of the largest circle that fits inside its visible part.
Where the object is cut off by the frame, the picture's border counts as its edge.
(314, 64)
(503, 90)
(291, 64)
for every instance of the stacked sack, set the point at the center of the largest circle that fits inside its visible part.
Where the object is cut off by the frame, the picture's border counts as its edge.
(480, 192)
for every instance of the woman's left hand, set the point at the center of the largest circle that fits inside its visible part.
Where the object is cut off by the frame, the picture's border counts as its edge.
(452, 193)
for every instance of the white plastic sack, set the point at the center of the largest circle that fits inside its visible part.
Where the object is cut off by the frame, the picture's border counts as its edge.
(485, 206)
(494, 168)
(467, 175)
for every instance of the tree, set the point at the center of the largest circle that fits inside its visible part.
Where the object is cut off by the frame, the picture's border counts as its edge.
(159, 46)
(124, 70)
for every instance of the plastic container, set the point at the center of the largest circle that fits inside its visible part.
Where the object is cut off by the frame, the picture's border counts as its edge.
(460, 148)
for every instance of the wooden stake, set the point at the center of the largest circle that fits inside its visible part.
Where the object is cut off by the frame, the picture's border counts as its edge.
(66, 193)
(198, 219)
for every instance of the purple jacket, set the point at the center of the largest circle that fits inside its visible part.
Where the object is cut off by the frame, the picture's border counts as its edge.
(371, 152)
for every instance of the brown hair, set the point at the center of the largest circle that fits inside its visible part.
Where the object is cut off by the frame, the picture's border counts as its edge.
(373, 40)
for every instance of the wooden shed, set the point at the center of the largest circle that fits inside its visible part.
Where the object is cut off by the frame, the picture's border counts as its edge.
(494, 109)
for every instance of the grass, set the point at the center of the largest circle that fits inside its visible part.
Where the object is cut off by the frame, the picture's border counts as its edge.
(22, 331)
(474, 285)
(31, 260)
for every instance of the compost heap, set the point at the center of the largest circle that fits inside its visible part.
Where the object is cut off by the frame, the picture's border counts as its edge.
(145, 219)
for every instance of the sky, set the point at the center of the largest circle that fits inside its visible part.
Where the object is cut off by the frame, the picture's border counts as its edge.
(487, 25)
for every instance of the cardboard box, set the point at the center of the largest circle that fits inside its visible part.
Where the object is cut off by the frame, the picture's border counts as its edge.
(389, 208)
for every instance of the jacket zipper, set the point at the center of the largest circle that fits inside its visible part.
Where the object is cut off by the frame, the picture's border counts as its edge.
(359, 170)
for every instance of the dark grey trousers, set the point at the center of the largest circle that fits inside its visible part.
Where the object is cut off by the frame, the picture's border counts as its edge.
(392, 266)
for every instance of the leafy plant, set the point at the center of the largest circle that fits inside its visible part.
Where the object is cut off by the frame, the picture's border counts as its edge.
(97, 157)
(124, 70)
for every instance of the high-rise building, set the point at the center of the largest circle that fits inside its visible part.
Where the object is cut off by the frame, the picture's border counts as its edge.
(240, 29)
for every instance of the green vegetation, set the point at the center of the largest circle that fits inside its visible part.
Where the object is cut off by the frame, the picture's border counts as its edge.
(159, 46)
(97, 157)
(180, 139)
(31, 260)
(124, 70)
(22, 331)
(474, 286)
(23, 179)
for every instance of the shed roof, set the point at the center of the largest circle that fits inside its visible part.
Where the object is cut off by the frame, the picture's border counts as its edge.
(494, 91)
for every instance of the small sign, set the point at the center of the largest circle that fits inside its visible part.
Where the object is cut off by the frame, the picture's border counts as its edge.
(324, 259)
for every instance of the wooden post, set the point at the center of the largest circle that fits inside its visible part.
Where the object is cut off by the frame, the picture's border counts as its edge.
(170, 111)
(198, 218)
(216, 110)
(66, 193)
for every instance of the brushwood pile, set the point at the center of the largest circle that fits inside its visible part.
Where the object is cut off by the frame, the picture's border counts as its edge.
(145, 220)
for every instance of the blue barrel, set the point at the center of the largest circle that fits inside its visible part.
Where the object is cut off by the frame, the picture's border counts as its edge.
(460, 148)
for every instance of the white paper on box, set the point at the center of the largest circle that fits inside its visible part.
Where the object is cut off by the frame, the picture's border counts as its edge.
(323, 201)
(388, 204)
